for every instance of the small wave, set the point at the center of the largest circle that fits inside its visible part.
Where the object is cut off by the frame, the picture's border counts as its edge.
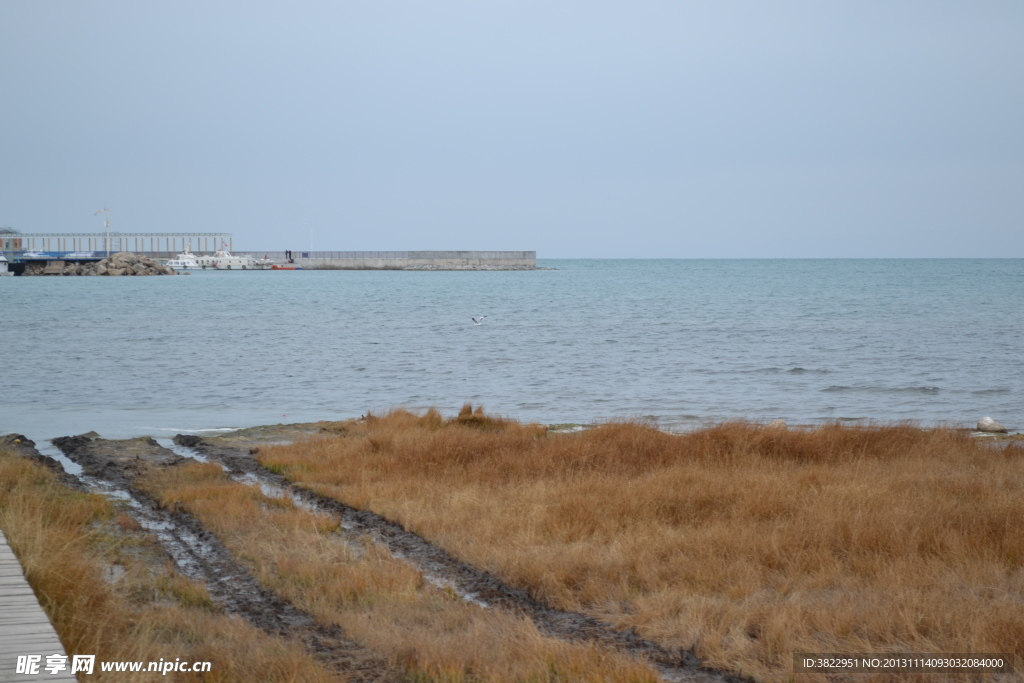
(989, 392)
(916, 390)
(801, 371)
(928, 390)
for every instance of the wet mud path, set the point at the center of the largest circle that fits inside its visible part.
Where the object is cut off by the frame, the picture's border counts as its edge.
(112, 468)
(441, 568)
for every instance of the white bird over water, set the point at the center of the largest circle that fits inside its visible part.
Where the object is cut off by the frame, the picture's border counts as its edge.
(478, 321)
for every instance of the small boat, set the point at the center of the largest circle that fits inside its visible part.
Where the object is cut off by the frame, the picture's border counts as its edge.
(186, 260)
(277, 267)
(223, 260)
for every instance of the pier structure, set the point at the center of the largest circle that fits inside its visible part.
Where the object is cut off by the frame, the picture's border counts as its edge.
(404, 260)
(59, 248)
(158, 245)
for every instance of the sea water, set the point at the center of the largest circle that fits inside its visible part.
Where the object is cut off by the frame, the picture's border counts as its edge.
(679, 342)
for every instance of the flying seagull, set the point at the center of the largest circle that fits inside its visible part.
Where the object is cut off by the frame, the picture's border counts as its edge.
(478, 321)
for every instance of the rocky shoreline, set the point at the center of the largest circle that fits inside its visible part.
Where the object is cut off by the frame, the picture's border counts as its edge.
(121, 263)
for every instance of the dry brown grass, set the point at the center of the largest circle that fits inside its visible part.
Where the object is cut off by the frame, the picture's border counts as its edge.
(747, 542)
(67, 542)
(378, 600)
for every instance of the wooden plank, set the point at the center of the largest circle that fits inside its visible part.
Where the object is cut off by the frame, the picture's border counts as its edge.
(24, 627)
(23, 622)
(47, 639)
(34, 631)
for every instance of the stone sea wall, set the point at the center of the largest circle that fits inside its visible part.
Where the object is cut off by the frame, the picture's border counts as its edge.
(119, 264)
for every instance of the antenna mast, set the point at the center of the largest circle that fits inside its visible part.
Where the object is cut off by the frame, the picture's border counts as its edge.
(106, 227)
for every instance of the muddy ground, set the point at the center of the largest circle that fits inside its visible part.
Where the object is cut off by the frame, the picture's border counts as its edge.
(201, 556)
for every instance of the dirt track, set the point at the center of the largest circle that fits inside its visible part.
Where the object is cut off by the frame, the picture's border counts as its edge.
(470, 582)
(201, 556)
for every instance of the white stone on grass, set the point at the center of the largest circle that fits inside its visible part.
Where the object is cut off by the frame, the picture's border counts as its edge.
(987, 424)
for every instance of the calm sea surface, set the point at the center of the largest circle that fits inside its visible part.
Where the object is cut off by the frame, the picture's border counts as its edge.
(683, 342)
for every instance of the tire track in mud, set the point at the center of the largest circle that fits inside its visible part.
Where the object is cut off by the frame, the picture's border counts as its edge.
(22, 446)
(471, 583)
(111, 467)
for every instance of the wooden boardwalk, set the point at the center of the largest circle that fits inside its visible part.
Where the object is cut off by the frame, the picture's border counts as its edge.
(24, 627)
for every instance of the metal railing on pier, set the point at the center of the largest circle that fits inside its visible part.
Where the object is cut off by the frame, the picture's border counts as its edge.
(280, 255)
(276, 255)
(151, 244)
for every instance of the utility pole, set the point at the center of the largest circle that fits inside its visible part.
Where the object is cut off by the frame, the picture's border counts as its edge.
(106, 227)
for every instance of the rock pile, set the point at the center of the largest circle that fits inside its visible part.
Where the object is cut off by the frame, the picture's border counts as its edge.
(121, 263)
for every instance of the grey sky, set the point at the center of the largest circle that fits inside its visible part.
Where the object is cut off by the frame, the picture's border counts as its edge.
(579, 129)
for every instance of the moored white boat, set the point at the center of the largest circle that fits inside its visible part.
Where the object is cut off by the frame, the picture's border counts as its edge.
(186, 260)
(220, 260)
(223, 260)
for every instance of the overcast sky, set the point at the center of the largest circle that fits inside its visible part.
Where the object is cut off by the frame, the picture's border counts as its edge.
(578, 129)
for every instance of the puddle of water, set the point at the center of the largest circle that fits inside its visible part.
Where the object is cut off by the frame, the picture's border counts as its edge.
(109, 490)
(271, 491)
(48, 449)
(182, 546)
(183, 451)
(275, 491)
(155, 525)
(444, 584)
(118, 494)
(187, 452)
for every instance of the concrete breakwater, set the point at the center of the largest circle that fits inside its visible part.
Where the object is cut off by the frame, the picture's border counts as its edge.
(121, 263)
(130, 263)
(405, 260)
